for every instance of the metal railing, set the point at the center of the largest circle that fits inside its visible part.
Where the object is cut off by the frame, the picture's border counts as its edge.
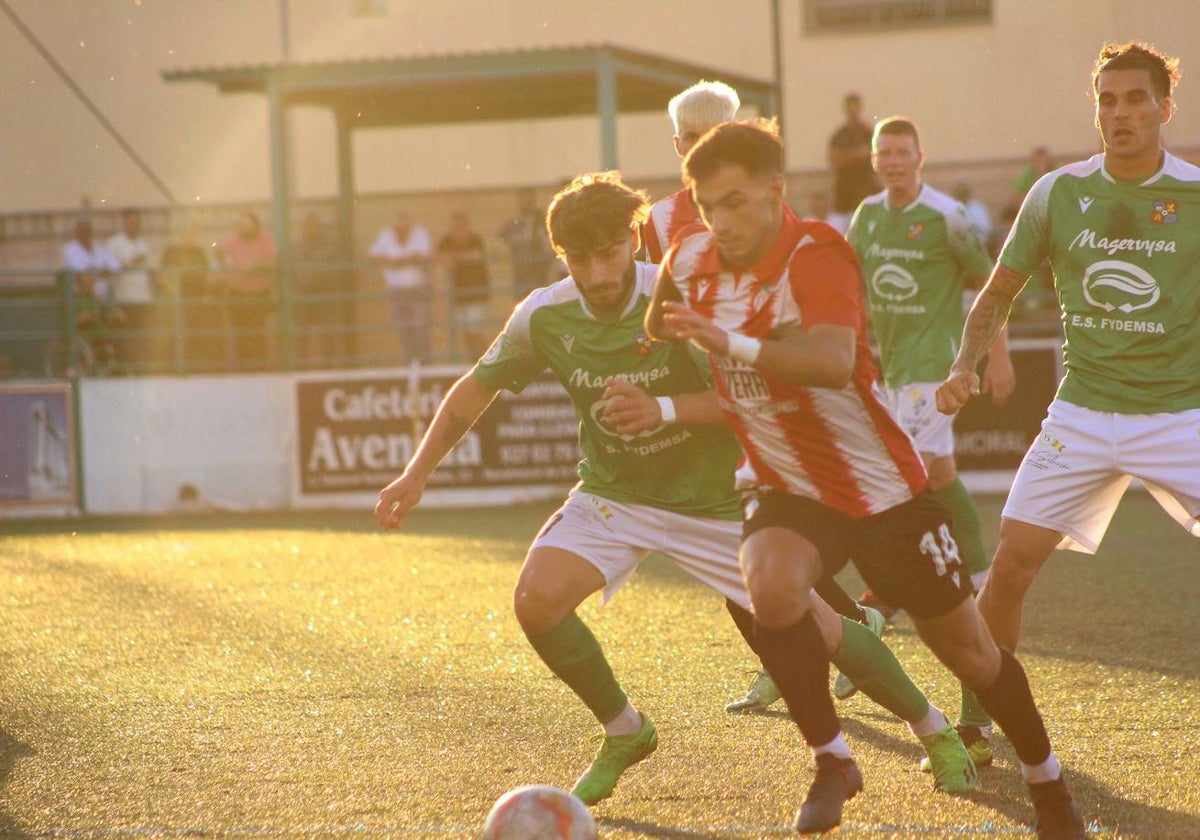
(334, 315)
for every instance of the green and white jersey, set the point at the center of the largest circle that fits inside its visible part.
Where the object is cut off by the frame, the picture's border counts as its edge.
(916, 260)
(685, 469)
(1126, 261)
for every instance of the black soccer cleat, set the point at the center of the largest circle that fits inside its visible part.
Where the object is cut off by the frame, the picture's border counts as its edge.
(837, 782)
(1058, 816)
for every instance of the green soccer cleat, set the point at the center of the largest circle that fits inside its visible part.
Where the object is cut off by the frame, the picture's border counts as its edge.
(761, 694)
(843, 687)
(617, 754)
(951, 765)
(978, 744)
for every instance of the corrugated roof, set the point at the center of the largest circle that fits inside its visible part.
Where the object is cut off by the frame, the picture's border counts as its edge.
(477, 86)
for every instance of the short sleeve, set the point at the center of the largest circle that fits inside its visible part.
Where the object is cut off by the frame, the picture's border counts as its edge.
(826, 282)
(512, 362)
(1028, 242)
(970, 255)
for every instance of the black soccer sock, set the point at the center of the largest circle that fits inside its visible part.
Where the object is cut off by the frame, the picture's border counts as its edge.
(744, 619)
(1010, 703)
(795, 657)
(831, 593)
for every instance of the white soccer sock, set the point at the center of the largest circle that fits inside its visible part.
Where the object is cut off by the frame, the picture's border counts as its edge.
(626, 723)
(1047, 771)
(934, 721)
(837, 746)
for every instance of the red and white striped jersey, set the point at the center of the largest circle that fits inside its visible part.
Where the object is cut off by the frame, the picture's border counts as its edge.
(667, 217)
(840, 447)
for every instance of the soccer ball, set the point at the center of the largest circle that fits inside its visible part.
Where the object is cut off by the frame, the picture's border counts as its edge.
(539, 812)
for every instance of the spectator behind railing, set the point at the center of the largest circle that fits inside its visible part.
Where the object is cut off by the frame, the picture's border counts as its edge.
(462, 250)
(529, 248)
(321, 311)
(200, 339)
(132, 288)
(403, 250)
(248, 257)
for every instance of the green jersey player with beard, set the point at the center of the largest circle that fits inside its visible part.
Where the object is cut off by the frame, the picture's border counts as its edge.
(657, 475)
(1120, 231)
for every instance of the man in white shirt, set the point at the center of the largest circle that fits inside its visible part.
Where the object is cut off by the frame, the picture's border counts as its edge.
(133, 290)
(402, 250)
(83, 255)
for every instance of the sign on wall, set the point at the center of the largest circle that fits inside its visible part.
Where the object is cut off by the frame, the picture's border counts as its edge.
(356, 434)
(37, 447)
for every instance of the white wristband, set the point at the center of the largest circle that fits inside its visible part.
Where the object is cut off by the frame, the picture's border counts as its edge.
(667, 406)
(743, 348)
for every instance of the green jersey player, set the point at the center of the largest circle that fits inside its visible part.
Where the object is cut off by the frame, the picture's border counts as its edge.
(657, 474)
(919, 252)
(1120, 232)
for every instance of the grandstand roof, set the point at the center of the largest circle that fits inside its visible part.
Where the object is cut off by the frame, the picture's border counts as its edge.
(480, 86)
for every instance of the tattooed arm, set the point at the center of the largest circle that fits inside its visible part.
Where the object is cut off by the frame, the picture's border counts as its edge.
(984, 324)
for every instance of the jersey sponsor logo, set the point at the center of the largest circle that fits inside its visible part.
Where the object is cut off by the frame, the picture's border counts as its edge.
(1087, 238)
(880, 253)
(894, 284)
(581, 378)
(568, 342)
(1084, 203)
(1117, 285)
(1165, 212)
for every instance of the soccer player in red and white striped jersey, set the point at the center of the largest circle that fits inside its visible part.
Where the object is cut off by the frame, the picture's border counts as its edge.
(829, 476)
(693, 112)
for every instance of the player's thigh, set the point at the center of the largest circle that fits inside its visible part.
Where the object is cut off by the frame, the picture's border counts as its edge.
(1069, 480)
(1163, 450)
(787, 542)
(908, 557)
(600, 533)
(707, 549)
(915, 408)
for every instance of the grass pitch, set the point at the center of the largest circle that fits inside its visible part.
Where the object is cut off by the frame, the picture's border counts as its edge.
(308, 675)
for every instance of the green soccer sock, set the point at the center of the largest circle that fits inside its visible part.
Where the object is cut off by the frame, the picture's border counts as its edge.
(967, 532)
(874, 669)
(973, 713)
(571, 651)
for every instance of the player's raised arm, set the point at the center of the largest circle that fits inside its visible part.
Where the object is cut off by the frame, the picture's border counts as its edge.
(984, 322)
(459, 410)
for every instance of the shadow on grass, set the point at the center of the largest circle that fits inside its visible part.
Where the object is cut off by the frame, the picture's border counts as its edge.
(11, 750)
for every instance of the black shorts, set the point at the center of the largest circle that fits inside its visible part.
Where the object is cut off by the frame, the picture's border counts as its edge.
(905, 554)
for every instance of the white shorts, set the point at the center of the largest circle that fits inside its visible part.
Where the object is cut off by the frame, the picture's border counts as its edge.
(1076, 471)
(615, 536)
(915, 408)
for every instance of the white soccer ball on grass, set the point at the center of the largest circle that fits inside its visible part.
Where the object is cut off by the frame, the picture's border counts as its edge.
(539, 812)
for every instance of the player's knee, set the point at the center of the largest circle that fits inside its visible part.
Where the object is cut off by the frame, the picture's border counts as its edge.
(1011, 575)
(538, 604)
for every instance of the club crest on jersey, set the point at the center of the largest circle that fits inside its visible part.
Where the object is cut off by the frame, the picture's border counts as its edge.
(915, 230)
(1165, 212)
(645, 344)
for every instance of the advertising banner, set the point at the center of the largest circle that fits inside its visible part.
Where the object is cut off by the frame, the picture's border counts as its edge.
(37, 447)
(356, 434)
